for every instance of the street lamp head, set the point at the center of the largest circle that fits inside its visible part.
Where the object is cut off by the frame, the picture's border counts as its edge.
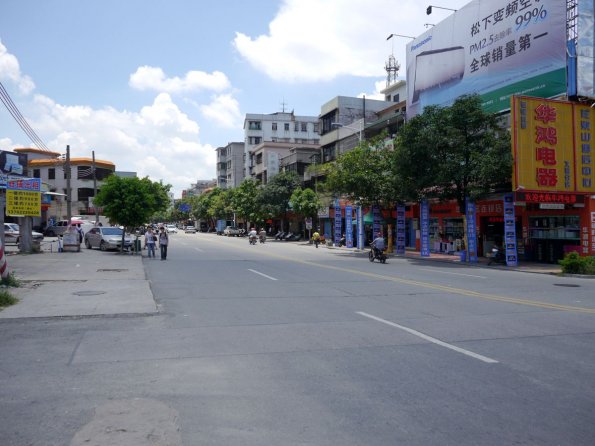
(429, 9)
(399, 35)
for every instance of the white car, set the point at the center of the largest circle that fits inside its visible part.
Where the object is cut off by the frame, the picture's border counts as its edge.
(105, 238)
(171, 229)
(12, 234)
(190, 230)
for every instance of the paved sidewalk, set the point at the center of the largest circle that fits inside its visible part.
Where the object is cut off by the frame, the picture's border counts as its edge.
(85, 283)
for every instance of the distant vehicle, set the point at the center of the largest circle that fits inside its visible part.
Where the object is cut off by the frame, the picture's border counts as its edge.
(59, 227)
(106, 237)
(171, 229)
(12, 234)
(190, 230)
(231, 231)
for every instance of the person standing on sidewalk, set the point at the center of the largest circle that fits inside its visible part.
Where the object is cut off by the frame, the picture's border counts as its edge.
(163, 242)
(150, 239)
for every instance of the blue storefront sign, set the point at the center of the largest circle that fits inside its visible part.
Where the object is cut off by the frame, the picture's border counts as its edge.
(349, 226)
(338, 222)
(360, 227)
(376, 223)
(471, 215)
(510, 231)
(425, 228)
(400, 230)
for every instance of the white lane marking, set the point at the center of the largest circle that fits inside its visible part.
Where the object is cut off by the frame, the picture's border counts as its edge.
(431, 339)
(454, 274)
(261, 274)
(200, 250)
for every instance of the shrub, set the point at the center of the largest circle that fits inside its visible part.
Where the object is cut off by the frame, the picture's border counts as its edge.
(7, 299)
(10, 281)
(573, 263)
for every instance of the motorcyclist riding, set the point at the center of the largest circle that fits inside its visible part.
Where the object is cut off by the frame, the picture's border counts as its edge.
(316, 238)
(252, 235)
(378, 245)
(262, 235)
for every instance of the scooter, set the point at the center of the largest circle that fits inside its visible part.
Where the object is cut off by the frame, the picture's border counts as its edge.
(252, 239)
(262, 236)
(376, 254)
(497, 256)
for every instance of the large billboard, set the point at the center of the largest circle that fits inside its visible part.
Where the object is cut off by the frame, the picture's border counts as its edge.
(496, 48)
(553, 146)
(585, 48)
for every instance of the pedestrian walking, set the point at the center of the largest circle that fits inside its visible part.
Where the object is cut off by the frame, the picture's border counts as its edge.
(163, 242)
(150, 239)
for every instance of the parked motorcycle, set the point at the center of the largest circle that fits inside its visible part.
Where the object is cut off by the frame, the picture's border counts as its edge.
(497, 256)
(376, 254)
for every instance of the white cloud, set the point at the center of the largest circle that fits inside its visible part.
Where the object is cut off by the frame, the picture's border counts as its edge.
(10, 70)
(319, 40)
(224, 110)
(153, 78)
(158, 141)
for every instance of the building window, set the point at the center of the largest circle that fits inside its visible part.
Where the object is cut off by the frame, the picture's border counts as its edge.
(84, 173)
(396, 98)
(315, 127)
(286, 126)
(255, 139)
(51, 173)
(36, 173)
(304, 126)
(254, 125)
(296, 126)
(274, 126)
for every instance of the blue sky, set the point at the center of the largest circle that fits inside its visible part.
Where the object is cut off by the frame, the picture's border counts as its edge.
(156, 86)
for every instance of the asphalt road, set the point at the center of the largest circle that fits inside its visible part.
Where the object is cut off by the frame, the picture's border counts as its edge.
(285, 344)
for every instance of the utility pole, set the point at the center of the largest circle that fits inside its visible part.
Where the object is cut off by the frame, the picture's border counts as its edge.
(95, 191)
(68, 191)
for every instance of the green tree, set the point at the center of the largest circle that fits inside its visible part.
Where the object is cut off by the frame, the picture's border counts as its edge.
(246, 201)
(452, 153)
(276, 193)
(305, 202)
(131, 201)
(363, 174)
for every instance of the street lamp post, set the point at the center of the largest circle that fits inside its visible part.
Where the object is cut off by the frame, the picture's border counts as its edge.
(429, 9)
(360, 130)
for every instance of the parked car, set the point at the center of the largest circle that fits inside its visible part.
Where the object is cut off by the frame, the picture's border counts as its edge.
(190, 230)
(12, 234)
(59, 227)
(106, 237)
(171, 229)
(231, 231)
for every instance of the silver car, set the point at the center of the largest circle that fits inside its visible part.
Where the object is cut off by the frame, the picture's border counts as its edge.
(105, 238)
(12, 234)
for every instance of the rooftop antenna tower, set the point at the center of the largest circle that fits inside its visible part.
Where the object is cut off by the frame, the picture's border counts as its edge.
(392, 68)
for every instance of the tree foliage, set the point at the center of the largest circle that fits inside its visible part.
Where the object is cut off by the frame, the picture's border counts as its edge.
(246, 201)
(305, 202)
(452, 153)
(363, 174)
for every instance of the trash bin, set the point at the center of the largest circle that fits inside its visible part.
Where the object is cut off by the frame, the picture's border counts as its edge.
(137, 246)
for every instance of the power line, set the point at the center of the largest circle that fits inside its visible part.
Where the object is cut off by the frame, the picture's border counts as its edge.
(21, 121)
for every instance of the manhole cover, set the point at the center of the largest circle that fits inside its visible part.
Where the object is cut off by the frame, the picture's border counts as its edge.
(115, 270)
(567, 285)
(88, 293)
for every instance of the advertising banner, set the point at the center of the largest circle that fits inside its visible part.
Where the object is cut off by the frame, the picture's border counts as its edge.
(425, 228)
(338, 222)
(349, 226)
(496, 48)
(471, 217)
(23, 197)
(510, 231)
(377, 222)
(360, 228)
(586, 48)
(400, 230)
(552, 146)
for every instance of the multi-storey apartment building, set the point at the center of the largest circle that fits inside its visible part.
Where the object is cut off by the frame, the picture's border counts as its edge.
(268, 158)
(230, 165)
(277, 127)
